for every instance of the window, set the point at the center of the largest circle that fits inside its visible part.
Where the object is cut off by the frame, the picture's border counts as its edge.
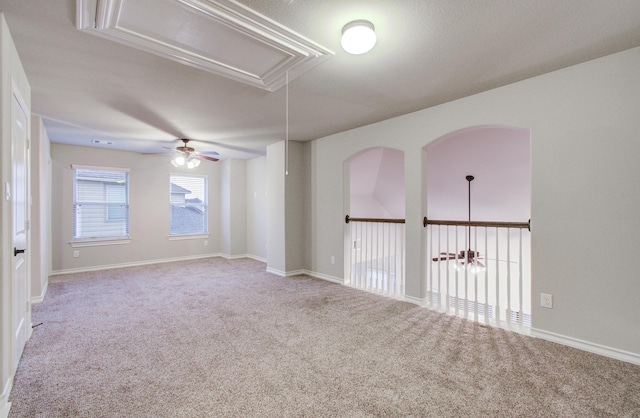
(100, 203)
(188, 205)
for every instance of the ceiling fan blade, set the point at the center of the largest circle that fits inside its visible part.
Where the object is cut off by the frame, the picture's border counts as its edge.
(493, 260)
(170, 150)
(204, 157)
(209, 153)
(451, 257)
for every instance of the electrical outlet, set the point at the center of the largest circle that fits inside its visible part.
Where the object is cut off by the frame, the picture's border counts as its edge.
(333, 259)
(76, 254)
(206, 243)
(546, 300)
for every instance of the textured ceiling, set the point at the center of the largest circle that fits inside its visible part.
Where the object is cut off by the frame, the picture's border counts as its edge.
(428, 52)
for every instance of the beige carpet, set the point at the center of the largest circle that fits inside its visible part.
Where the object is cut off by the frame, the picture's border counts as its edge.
(224, 338)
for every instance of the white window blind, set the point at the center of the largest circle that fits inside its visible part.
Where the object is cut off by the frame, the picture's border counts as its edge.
(100, 203)
(188, 205)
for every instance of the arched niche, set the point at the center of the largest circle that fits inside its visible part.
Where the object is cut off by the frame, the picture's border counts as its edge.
(495, 285)
(499, 157)
(376, 183)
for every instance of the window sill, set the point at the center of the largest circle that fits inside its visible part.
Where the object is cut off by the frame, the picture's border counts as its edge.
(187, 236)
(98, 242)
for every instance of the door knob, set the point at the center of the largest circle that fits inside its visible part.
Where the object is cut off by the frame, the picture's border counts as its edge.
(17, 251)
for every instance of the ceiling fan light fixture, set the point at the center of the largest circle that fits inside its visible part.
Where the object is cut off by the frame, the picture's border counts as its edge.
(467, 261)
(187, 156)
(178, 161)
(193, 163)
(358, 37)
(473, 267)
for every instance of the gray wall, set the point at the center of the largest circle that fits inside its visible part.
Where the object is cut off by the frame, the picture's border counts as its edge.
(40, 209)
(294, 208)
(12, 76)
(257, 208)
(276, 238)
(149, 210)
(230, 210)
(233, 204)
(584, 124)
(288, 199)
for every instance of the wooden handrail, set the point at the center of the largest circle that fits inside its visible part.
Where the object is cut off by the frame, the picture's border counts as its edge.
(348, 219)
(425, 222)
(493, 224)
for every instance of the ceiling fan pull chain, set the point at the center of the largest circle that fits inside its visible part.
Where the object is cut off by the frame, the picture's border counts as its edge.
(286, 129)
(469, 179)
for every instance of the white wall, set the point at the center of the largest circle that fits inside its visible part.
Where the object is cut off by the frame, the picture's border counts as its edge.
(295, 220)
(500, 160)
(12, 76)
(276, 243)
(377, 184)
(40, 209)
(287, 206)
(584, 123)
(149, 209)
(233, 202)
(257, 208)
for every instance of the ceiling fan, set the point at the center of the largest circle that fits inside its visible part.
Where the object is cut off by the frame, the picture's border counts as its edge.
(190, 157)
(466, 259)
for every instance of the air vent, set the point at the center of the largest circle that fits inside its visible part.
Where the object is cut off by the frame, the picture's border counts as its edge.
(515, 318)
(219, 36)
(471, 306)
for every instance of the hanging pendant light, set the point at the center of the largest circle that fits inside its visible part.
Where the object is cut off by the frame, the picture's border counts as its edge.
(470, 260)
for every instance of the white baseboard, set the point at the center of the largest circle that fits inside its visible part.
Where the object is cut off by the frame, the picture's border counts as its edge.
(276, 272)
(40, 297)
(132, 264)
(416, 301)
(5, 405)
(306, 273)
(4, 410)
(615, 353)
(237, 256)
(551, 336)
(156, 261)
(255, 257)
(285, 273)
(324, 277)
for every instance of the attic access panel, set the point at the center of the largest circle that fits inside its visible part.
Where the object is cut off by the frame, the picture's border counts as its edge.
(219, 36)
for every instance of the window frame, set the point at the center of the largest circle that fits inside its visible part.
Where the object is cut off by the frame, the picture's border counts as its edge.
(205, 207)
(85, 241)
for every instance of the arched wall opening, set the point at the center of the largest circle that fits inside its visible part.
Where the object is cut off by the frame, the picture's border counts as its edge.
(481, 273)
(376, 183)
(500, 160)
(374, 237)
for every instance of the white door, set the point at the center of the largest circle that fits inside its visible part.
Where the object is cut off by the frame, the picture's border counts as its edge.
(20, 207)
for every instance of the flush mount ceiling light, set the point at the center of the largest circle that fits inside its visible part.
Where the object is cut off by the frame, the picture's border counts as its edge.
(358, 37)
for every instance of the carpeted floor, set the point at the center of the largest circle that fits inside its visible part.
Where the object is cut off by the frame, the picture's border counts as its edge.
(223, 338)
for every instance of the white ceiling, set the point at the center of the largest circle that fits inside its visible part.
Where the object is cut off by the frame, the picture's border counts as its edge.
(428, 52)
